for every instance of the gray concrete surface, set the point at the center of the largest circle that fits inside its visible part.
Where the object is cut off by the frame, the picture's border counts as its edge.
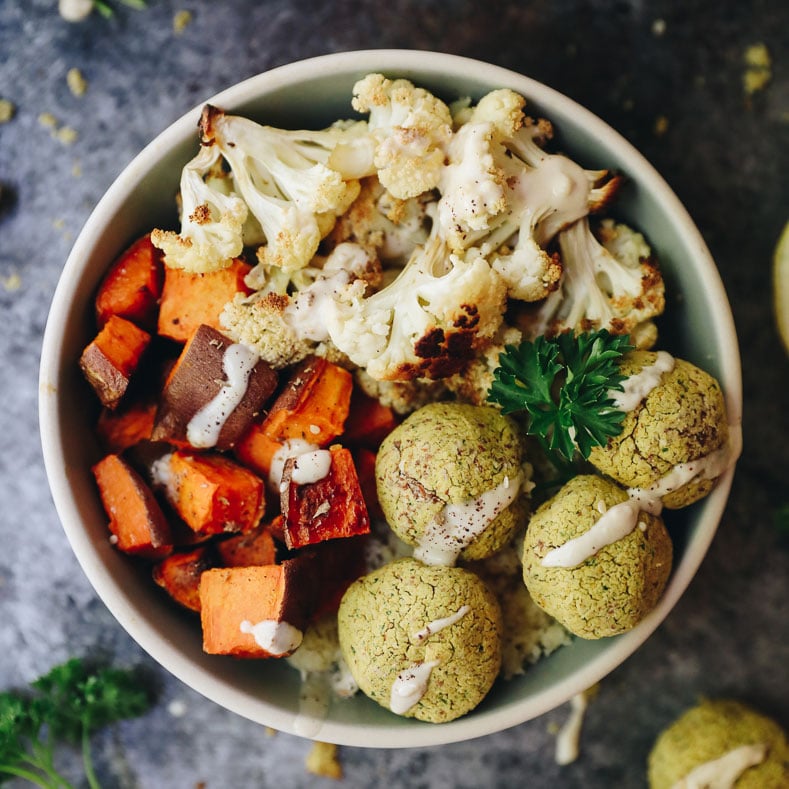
(633, 63)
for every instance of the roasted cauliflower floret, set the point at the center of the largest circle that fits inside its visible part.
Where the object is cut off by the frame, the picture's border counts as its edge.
(258, 321)
(427, 323)
(411, 128)
(285, 180)
(615, 286)
(394, 227)
(211, 220)
(504, 194)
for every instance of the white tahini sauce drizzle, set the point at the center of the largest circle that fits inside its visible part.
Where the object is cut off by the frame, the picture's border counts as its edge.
(638, 386)
(314, 702)
(205, 426)
(162, 475)
(439, 624)
(617, 522)
(722, 773)
(311, 466)
(569, 736)
(458, 524)
(292, 448)
(277, 638)
(409, 686)
(707, 467)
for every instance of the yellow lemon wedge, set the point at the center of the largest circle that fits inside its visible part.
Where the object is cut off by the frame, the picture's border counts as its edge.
(781, 286)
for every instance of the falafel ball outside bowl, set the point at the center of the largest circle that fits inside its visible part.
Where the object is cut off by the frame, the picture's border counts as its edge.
(312, 94)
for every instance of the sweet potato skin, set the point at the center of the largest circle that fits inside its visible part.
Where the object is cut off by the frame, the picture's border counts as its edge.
(112, 357)
(196, 378)
(136, 520)
(213, 494)
(189, 300)
(132, 286)
(122, 428)
(179, 574)
(330, 508)
(314, 404)
(248, 550)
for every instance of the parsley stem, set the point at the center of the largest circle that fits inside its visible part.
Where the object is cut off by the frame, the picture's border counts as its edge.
(42, 759)
(90, 773)
(28, 775)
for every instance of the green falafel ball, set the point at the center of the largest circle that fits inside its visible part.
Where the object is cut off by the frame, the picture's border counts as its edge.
(710, 731)
(435, 471)
(611, 590)
(680, 420)
(438, 624)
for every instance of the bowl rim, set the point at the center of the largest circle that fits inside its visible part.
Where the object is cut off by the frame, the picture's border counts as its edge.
(117, 599)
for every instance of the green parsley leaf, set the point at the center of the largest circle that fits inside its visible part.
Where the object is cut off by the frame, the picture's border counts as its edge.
(66, 705)
(563, 384)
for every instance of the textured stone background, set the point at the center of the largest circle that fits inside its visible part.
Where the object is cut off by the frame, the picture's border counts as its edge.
(633, 63)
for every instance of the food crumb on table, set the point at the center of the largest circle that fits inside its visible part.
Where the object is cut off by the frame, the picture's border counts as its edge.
(7, 110)
(181, 19)
(76, 82)
(758, 68)
(323, 760)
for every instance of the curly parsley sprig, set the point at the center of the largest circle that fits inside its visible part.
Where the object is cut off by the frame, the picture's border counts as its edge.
(563, 384)
(68, 704)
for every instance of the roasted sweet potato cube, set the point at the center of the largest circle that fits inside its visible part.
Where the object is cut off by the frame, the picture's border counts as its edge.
(213, 392)
(123, 427)
(256, 450)
(334, 566)
(110, 360)
(327, 508)
(189, 300)
(132, 286)
(313, 405)
(137, 522)
(179, 575)
(254, 612)
(213, 494)
(369, 422)
(248, 550)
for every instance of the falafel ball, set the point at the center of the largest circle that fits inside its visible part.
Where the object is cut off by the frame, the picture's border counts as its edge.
(750, 743)
(451, 483)
(422, 641)
(612, 586)
(681, 419)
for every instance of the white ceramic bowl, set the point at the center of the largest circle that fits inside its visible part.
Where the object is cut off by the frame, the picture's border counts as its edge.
(313, 93)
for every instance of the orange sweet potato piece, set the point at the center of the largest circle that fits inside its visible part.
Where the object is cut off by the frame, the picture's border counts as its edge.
(132, 286)
(369, 422)
(237, 601)
(198, 376)
(124, 427)
(248, 550)
(313, 405)
(213, 494)
(179, 575)
(326, 509)
(189, 300)
(137, 522)
(110, 360)
(256, 450)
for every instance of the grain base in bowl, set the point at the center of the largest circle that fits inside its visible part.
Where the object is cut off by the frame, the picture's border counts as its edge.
(312, 94)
